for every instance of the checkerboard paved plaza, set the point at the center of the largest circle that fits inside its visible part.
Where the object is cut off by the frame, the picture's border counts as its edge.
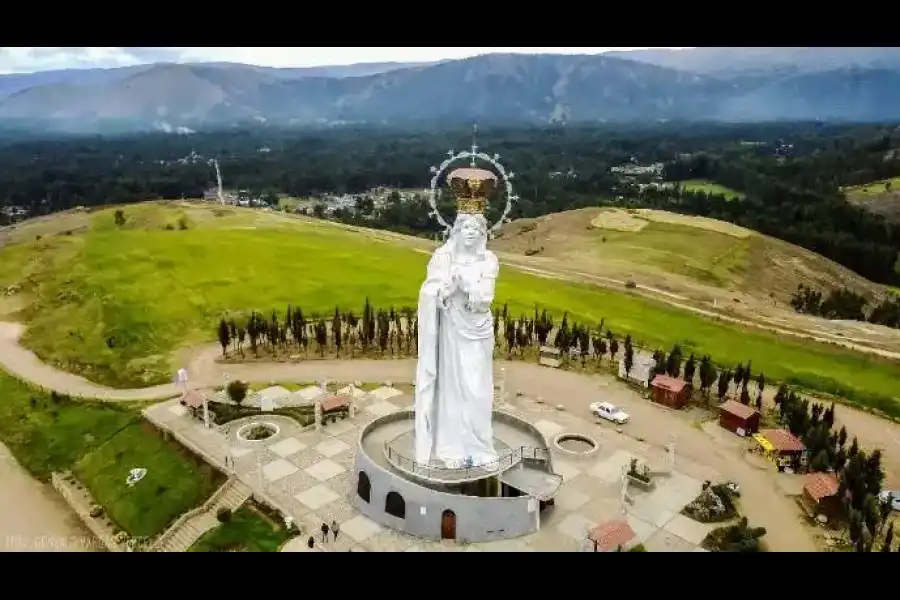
(309, 474)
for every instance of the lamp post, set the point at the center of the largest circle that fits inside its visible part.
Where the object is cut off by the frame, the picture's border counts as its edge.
(259, 473)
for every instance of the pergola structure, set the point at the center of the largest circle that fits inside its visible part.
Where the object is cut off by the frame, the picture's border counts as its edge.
(196, 401)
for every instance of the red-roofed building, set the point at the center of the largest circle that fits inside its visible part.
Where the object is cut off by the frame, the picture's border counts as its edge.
(783, 441)
(820, 494)
(739, 418)
(611, 536)
(670, 391)
(781, 447)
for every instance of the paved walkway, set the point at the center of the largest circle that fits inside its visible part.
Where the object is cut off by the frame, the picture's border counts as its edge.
(308, 475)
(204, 371)
(567, 388)
(764, 502)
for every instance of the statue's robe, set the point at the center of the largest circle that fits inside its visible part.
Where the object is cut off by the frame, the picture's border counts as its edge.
(454, 375)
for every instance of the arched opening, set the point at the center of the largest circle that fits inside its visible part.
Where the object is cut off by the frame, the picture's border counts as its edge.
(395, 505)
(363, 486)
(448, 525)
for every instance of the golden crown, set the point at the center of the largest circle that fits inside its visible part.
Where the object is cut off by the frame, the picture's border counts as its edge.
(472, 188)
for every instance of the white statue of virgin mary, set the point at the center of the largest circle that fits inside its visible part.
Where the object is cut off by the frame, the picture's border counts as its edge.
(454, 375)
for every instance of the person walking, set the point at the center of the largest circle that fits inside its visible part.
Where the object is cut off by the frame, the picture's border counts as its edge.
(334, 529)
(324, 532)
(311, 542)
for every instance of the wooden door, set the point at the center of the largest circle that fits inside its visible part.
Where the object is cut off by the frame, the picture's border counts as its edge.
(448, 525)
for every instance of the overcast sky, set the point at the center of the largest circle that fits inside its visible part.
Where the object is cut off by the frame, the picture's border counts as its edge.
(26, 60)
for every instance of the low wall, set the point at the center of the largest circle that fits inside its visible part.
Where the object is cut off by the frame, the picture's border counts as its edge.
(80, 502)
(477, 519)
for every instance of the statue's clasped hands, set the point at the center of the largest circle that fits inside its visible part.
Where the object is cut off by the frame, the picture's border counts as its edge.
(472, 302)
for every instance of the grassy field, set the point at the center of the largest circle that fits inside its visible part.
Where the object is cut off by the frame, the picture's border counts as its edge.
(876, 188)
(877, 198)
(710, 187)
(248, 531)
(175, 480)
(707, 256)
(50, 433)
(713, 253)
(101, 443)
(113, 303)
(673, 252)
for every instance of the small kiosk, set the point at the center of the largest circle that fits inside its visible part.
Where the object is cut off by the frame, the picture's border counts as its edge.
(781, 447)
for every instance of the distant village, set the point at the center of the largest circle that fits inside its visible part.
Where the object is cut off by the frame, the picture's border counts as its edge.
(323, 205)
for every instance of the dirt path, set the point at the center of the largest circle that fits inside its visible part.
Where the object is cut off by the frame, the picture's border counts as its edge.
(872, 431)
(765, 503)
(24, 364)
(34, 517)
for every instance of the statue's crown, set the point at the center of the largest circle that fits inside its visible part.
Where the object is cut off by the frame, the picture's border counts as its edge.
(472, 188)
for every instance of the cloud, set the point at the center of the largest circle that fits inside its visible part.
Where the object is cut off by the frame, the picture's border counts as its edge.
(26, 60)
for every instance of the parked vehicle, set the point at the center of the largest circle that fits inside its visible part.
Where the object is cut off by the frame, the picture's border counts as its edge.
(609, 412)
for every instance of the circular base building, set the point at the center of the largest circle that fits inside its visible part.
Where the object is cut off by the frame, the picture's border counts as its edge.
(473, 504)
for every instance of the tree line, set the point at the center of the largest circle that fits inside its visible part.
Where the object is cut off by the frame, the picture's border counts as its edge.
(374, 331)
(845, 304)
(795, 198)
(394, 332)
(860, 474)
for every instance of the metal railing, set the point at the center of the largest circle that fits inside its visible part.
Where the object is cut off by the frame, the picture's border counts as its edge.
(464, 470)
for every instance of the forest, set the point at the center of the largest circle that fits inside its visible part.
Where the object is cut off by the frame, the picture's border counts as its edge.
(843, 303)
(789, 174)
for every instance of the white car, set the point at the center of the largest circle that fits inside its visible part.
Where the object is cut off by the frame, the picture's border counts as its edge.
(610, 412)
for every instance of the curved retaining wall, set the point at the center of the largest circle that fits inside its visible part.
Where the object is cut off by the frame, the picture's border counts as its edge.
(476, 519)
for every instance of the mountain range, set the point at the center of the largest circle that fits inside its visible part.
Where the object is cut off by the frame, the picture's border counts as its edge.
(728, 84)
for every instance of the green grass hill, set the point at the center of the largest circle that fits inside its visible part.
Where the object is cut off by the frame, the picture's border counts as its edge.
(113, 301)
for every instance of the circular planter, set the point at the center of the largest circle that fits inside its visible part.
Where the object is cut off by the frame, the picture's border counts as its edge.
(258, 431)
(576, 444)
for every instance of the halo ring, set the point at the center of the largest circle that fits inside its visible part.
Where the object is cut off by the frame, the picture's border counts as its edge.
(494, 162)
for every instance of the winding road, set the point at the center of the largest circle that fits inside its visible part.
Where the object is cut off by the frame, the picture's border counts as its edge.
(764, 502)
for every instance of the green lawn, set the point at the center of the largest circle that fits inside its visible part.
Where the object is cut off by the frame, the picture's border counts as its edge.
(710, 187)
(248, 531)
(876, 188)
(175, 481)
(49, 433)
(114, 303)
(101, 443)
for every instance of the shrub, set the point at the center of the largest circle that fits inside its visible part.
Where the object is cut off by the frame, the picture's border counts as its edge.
(237, 391)
(639, 472)
(223, 515)
(735, 538)
(714, 504)
(95, 510)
